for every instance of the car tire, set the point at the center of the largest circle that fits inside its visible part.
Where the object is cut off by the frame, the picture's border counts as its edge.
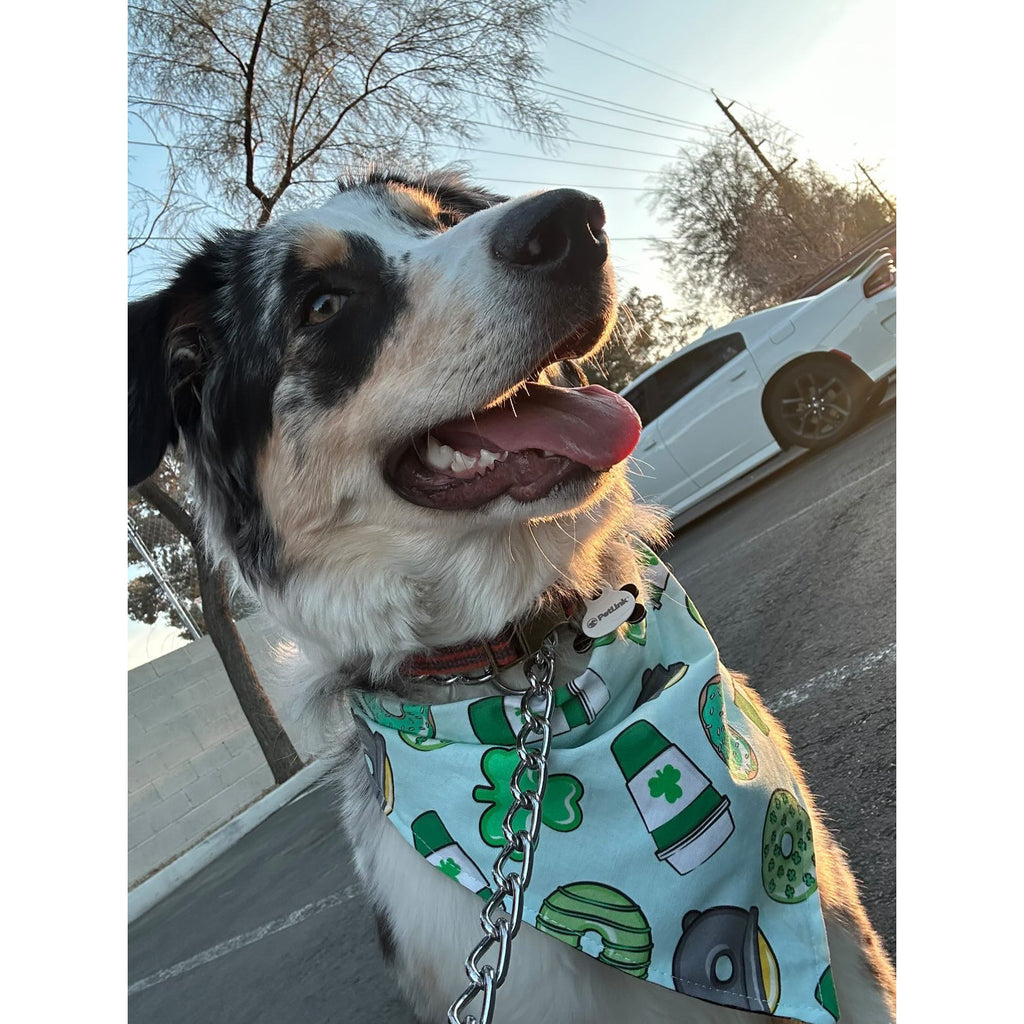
(815, 402)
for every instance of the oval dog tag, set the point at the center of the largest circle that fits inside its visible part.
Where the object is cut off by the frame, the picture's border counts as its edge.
(606, 612)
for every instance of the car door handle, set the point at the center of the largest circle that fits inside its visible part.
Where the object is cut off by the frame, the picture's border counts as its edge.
(738, 375)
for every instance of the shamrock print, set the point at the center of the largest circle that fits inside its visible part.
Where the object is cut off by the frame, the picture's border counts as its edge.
(561, 809)
(450, 868)
(666, 783)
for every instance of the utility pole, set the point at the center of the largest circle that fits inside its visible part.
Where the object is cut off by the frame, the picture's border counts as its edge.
(885, 198)
(784, 186)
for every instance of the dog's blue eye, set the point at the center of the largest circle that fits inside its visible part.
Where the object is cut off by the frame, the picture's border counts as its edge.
(323, 307)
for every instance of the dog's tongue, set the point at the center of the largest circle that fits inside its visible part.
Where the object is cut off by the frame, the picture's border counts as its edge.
(590, 425)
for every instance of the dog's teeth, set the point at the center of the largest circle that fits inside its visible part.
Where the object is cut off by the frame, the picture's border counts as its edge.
(487, 458)
(547, 454)
(501, 456)
(439, 455)
(462, 462)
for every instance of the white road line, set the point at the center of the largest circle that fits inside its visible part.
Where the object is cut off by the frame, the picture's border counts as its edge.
(833, 678)
(690, 573)
(240, 941)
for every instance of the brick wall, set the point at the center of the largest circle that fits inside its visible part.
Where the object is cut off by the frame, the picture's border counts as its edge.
(193, 762)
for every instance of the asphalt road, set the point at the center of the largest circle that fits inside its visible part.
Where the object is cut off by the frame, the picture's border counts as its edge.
(795, 578)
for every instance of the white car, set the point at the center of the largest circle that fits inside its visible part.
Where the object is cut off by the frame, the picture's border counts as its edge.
(802, 373)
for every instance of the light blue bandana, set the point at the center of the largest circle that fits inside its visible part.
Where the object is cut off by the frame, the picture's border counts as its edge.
(673, 846)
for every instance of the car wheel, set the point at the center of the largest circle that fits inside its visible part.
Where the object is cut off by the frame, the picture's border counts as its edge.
(815, 403)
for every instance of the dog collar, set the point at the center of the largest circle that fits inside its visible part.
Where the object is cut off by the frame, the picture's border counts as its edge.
(675, 847)
(481, 661)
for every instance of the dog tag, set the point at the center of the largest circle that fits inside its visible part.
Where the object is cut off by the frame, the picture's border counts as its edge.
(606, 612)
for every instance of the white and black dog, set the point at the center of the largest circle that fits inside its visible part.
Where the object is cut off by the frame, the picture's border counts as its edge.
(328, 375)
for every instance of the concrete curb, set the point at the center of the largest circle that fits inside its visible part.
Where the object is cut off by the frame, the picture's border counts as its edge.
(164, 882)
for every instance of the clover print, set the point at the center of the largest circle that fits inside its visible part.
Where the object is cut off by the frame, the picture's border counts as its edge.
(561, 810)
(450, 868)
(666, 783)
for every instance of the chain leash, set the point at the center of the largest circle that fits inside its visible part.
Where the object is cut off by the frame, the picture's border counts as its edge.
(501, 924)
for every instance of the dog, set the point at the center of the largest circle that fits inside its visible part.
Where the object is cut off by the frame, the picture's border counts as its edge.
(334, 377)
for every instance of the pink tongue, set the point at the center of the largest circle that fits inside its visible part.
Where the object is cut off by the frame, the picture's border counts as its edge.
(590, 425)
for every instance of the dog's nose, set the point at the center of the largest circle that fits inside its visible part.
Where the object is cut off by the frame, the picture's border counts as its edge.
(559, 233)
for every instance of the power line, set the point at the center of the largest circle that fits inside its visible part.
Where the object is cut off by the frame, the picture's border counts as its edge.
(615, 107)
(448, 145)
(576, 142)
(634, 131)
(671, 78)
(632, 64)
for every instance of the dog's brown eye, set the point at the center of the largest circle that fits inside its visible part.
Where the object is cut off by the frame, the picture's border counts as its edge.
(324, 306)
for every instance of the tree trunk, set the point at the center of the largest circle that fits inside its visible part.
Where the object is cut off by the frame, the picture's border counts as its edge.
(277, 748)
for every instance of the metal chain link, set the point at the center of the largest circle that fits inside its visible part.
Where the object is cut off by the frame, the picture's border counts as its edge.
(500, 923)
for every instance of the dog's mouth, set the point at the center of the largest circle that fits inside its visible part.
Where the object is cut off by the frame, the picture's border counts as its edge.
(523, 447)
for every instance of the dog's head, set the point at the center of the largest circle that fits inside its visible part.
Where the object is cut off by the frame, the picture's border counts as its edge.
(381, 388)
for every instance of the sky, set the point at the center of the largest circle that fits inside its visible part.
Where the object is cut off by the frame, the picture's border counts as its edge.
(822, 68)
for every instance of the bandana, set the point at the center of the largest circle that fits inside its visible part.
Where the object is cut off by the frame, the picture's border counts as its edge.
(674, 845)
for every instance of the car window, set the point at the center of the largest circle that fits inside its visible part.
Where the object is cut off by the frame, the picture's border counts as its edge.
(638, 397)
(682, 375)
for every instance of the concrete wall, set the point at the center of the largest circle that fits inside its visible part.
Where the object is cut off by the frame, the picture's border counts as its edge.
(193, 762)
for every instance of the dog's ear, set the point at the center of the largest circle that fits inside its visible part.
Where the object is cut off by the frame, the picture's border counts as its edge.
(167, 355)
(151, 427)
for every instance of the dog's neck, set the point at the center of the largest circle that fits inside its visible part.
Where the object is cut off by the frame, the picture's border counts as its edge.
(377, 599)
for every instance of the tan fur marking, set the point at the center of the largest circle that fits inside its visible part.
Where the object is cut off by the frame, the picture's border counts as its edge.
(318, 247)
(414, 204)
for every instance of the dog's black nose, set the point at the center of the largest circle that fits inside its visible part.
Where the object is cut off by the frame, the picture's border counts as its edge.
(560, 233)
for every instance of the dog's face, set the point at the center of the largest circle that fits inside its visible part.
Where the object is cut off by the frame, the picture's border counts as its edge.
(390, 365)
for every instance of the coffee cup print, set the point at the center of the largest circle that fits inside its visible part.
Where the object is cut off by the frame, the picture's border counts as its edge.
(433, 841)
(498, 720)
(688, 819)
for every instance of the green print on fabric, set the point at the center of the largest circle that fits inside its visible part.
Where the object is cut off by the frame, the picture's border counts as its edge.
(665, 783)
(730, 746)
(573, 910)
(450, 868)
(825, 992)
(561, 808)
(787, 851)
(415, 719)
(694, 614)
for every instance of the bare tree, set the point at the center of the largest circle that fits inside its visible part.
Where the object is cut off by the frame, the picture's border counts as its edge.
(644, 333)
(265, 95)
(741, 238)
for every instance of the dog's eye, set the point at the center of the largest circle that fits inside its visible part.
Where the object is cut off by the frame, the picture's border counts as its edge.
(448, 218)
(324, 306)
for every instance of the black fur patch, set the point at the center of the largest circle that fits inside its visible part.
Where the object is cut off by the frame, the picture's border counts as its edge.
(385, 937)
(334, 357)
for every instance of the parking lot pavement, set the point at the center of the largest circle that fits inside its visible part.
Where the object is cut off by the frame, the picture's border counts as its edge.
(274, 931)
(795, 578)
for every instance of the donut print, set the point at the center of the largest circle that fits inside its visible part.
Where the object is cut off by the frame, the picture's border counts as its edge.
(573, 910)
(787, 852)
(730, 746)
